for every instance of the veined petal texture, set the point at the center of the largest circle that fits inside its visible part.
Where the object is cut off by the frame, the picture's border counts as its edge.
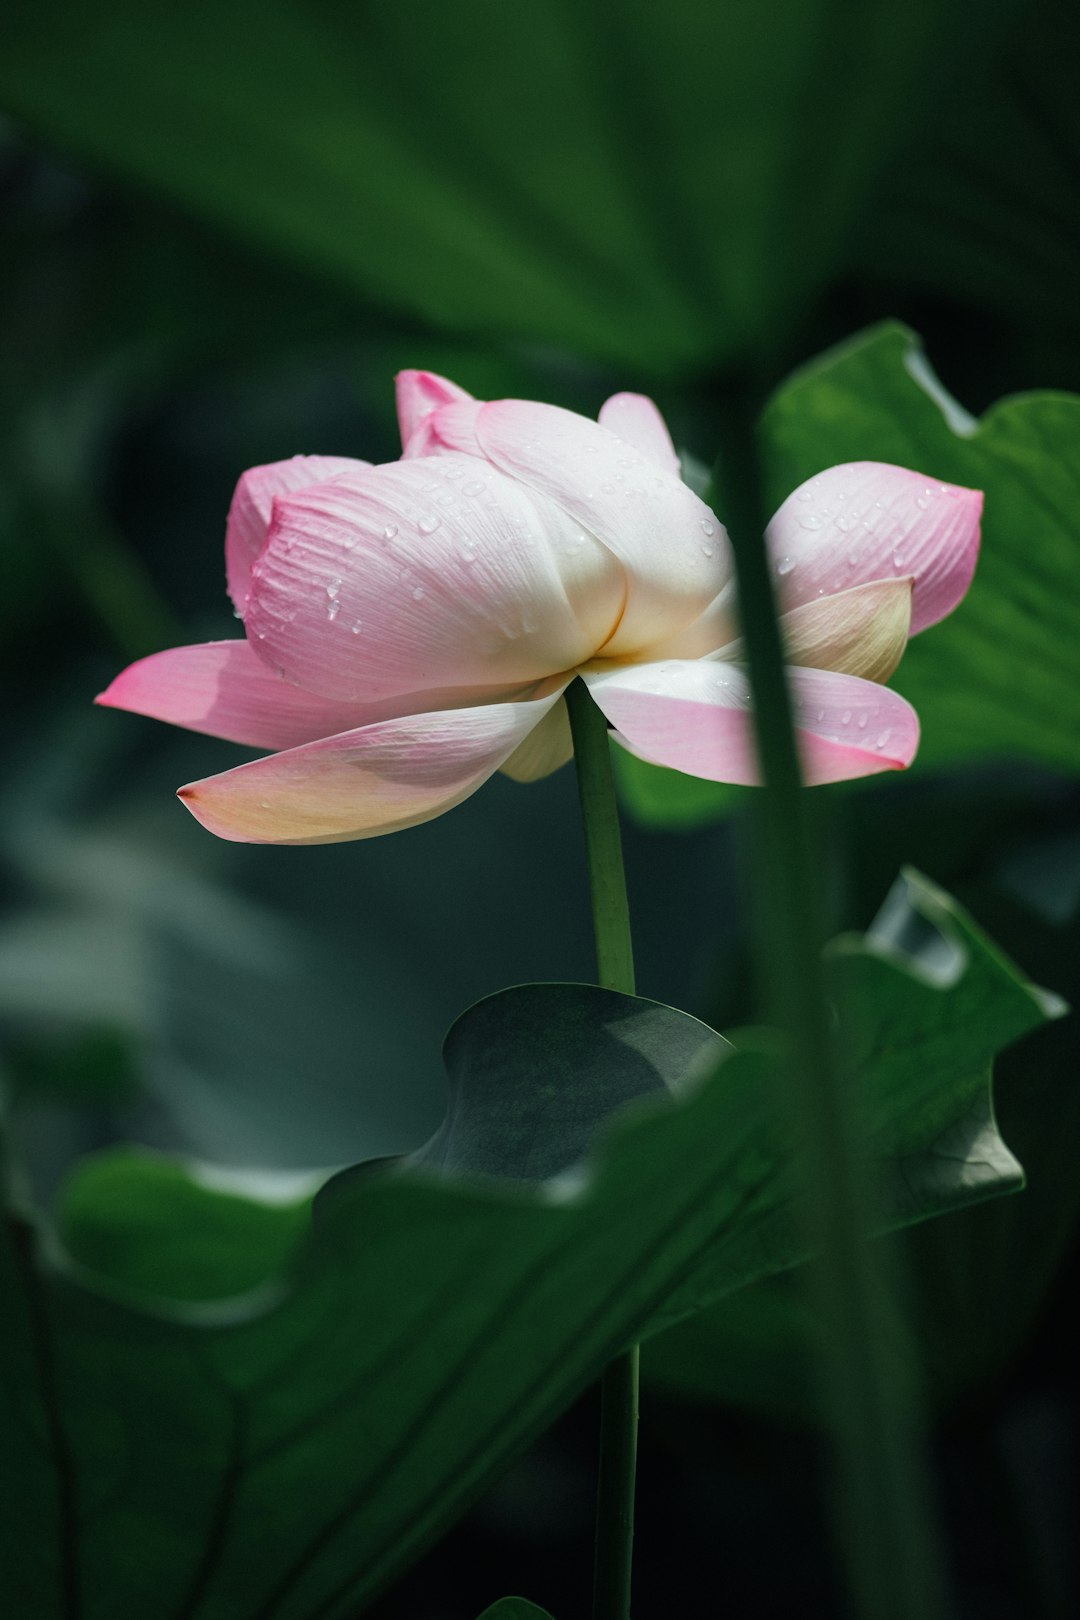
(425, 574)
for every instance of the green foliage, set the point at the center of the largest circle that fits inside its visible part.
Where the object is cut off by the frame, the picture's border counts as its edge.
(1000, 677)
(678, 182)
(286, 1451)
(754, 1351)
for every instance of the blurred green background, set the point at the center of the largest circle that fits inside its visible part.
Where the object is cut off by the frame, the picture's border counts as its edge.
(224, 229)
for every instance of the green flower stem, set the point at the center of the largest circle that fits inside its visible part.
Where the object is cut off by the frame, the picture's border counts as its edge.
(615, 971)
(887, 1529)
(603, 843)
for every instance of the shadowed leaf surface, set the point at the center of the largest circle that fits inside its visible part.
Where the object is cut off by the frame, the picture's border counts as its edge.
(282, 1454)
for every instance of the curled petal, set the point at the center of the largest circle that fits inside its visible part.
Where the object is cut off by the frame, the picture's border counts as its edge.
(694, 716)
(223, 689)
(671, 545)
(869, 521)
(452, 427)
(249, 514)
(378, 779)
(547, 746)
(860, 632)
(637, 421)
(428, 574)
(419, 394)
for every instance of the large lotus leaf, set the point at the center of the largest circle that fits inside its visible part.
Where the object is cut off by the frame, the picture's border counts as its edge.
(754, 1350)
(283, 1453)
(1001, 675)
(1000, 678)
(657, 186)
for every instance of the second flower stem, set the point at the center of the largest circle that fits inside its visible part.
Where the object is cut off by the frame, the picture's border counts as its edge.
(615, 971)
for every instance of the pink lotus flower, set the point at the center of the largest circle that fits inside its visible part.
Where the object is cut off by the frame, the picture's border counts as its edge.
(410, 628)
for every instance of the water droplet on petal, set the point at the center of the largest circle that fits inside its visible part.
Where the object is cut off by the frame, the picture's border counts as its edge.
(880, 741)
(785, 565)
(708, 551)
(429, 523)
(843, 524)
(863, 718)
(897, 560)
(804, 495)
(923, 501)
(390, 531)
(332, 610)
(418, 593)
(845, 718)
(357, 626)
(707, 526)
(475, 486)
(333, 590)
(812, 520)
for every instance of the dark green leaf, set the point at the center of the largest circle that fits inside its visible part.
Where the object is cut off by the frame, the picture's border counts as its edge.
(534, 1072)
(1000, 676)
(291, 1449)
(756, 1349)
(561, 173)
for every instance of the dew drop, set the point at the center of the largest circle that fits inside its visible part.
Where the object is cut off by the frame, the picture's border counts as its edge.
(333, 590)
(475, 486)
(708, 551)
(707, 526)
(845, 718)
(332, 610)
(452, 470)
(264, 804)
(843, 524)
(923, 501)
(418, 593)
(804, 495)
(897, 560)
(882, 739)
(390, 531)
(812, 520)
(852, 557)
(785, 565)
(821, 714)
(236, 613)
(862, 721)
(357, 626)
(429, 523)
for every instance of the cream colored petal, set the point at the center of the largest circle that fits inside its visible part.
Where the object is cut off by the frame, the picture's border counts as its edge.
(547, 746)
(859, 632)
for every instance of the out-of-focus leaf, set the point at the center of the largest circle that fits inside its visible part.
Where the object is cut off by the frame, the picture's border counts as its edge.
(284, 1456)
(755, 1350)
(983, 209)
(157, 1226)
(656, 187)
(1001, 675)
(999, 678)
